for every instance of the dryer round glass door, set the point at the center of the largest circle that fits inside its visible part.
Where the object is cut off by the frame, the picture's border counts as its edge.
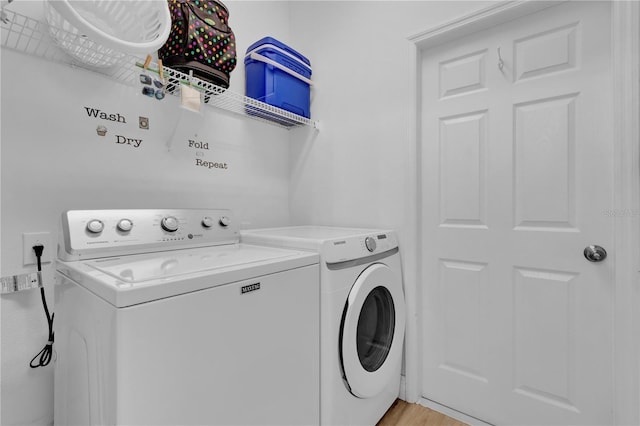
(373, 331)
(376, 323)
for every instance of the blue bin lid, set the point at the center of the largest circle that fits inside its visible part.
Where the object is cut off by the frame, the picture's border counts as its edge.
(271, 40)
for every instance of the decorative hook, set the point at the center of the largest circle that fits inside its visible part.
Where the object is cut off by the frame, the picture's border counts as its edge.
(500, 61)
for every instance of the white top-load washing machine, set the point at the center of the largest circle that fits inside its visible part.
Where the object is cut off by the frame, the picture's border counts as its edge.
(362, 317)
(164, 318)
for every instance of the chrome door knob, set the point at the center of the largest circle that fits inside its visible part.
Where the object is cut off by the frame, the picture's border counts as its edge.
(595, 253)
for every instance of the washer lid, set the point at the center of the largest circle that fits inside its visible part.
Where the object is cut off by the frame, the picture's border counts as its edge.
(140, 268)
(127, 280)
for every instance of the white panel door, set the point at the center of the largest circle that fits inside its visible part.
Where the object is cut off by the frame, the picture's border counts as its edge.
(516, 181)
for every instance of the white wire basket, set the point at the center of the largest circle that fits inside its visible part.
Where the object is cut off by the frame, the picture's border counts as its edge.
(100, 33)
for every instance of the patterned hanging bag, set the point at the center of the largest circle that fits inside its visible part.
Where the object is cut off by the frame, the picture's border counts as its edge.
(200, 41)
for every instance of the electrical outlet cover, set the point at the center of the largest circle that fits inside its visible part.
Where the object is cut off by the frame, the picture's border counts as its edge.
(31, 239)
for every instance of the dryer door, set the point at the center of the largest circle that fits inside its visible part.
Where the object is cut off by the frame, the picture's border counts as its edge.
(372, 331)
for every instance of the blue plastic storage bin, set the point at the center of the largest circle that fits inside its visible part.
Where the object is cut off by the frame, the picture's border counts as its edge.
(278, 75)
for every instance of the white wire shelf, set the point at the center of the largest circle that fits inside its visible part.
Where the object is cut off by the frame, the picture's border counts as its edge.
(27, 35)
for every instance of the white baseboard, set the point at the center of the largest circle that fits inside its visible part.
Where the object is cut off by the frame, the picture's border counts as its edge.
(452, 413)
(440, 408)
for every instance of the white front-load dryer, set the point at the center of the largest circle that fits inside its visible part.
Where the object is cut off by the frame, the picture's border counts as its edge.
(362, 317)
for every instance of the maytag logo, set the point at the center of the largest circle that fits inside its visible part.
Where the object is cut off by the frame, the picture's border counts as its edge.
(249, 288)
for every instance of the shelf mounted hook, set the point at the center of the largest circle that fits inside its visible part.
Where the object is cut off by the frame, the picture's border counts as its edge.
(500, 61)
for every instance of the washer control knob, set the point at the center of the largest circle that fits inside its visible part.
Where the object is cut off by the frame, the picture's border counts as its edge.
(95, 226)
(169, 224)
(224, 221)
(125, 225)
(207, 222)
(370, 243)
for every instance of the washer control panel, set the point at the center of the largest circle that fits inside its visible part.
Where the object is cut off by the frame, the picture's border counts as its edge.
(88, 234)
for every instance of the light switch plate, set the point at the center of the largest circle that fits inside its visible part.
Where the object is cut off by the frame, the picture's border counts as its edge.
(30, 239)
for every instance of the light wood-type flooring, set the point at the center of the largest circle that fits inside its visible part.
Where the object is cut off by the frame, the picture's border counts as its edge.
(403, 413)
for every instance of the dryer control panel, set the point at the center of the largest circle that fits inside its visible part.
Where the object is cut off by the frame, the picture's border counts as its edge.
(87, 234)
(358, 247)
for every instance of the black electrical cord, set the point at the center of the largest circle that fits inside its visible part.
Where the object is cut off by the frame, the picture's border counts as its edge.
(44, 356)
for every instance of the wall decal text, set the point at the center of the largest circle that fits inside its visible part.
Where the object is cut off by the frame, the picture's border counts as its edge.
(94, 112)
(198, 145)
(211, 164)
(128, 141)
